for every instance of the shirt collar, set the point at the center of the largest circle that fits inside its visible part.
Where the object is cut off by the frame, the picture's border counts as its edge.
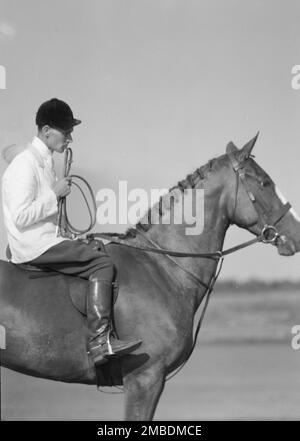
(41, 147)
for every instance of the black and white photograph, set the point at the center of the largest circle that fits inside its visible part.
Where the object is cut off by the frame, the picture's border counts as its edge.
(149, 228)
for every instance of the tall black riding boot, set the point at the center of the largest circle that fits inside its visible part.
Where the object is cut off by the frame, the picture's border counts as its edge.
(102, 342)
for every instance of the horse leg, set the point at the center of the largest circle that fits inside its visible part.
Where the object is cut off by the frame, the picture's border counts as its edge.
(142, 392)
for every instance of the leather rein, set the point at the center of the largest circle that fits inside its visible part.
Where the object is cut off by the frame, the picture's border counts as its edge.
(68, 230)
(269, 233)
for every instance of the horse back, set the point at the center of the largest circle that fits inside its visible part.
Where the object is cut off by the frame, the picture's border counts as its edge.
(46, 334)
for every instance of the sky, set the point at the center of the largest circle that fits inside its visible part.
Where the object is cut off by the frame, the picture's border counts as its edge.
(161, 87)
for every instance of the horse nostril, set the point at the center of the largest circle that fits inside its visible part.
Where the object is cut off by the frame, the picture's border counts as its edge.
(283, 239)
(285, 246)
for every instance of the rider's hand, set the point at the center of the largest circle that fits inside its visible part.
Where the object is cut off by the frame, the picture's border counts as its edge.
(62, 187)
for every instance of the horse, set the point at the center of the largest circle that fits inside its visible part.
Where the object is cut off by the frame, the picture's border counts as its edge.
(158, 294)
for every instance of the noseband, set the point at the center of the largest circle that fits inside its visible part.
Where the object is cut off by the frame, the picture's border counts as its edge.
(269, 232)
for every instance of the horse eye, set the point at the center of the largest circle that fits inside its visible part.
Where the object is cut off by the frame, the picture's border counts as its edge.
(265, 183)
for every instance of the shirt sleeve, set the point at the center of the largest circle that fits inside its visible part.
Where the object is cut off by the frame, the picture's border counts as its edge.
(20, 192)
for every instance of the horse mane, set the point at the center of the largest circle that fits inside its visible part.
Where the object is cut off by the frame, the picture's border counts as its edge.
(157, 210)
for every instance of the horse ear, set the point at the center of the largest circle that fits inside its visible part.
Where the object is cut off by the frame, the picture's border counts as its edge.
(231, 147)
(245, 152)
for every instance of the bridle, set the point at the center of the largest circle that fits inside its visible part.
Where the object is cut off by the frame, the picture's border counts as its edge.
(269, 232)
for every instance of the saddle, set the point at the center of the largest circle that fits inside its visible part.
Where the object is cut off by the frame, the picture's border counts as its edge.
(77, 287)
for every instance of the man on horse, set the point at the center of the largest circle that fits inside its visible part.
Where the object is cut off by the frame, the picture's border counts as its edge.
(31, 191)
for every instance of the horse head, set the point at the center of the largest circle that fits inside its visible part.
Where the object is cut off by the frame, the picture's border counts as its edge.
(255, 203)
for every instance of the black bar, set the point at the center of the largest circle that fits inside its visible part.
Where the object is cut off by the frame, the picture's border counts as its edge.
(206, 430)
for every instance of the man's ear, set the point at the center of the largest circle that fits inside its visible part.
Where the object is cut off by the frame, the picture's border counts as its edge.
(45, 130)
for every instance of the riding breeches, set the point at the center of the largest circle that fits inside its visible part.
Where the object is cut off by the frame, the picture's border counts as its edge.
(77, 258)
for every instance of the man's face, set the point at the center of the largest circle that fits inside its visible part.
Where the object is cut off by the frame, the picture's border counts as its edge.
(57, 140)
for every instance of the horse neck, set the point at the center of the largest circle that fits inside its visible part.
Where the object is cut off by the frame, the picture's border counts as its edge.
(174, 237)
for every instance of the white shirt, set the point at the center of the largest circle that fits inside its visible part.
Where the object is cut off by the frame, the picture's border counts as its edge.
(29, 204)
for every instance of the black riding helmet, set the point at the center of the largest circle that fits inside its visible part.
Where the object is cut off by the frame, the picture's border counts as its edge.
(56, 114)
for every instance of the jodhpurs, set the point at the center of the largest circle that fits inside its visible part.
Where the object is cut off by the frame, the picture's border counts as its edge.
(74, 257)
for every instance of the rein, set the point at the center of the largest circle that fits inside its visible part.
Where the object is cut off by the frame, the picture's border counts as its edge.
(269, 233)
(113, 238)
(69, 230)
(218, 256)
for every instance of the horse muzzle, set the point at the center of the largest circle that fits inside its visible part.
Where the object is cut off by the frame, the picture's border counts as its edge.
(285, 246)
